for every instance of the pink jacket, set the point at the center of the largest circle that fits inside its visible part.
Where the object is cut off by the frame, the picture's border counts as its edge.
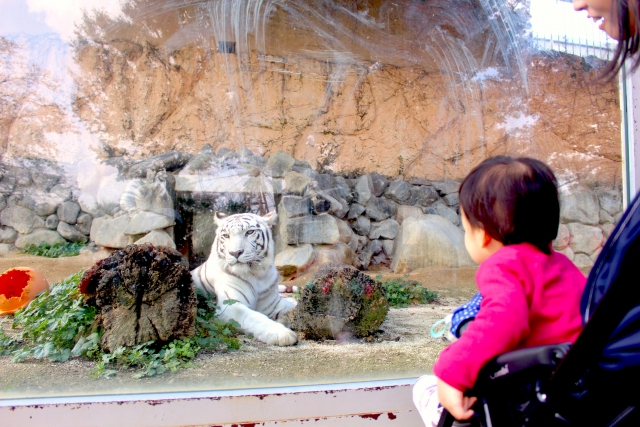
(529, 299)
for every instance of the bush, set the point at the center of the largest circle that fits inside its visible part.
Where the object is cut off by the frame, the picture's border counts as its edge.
(57, 250)
(402, 293)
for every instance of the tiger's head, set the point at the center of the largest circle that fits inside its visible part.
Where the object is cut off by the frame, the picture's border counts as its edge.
(244, 240)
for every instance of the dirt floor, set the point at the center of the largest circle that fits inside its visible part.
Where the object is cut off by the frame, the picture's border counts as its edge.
(403, 349)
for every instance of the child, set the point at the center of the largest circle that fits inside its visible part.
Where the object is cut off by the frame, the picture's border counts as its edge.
(530, 293)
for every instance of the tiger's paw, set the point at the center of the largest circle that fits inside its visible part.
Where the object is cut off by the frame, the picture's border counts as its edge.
(280, 336)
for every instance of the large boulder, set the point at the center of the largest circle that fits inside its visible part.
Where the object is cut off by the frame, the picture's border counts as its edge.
(68, 212)
(144, 222)
(387, 229)
(579, 205)
(280, 164)
(584, 238)
(379, 209)
(109, 232)
(295, 183)
(399, 191)
(71, 232)
(363, 189)
(42, 202)
(23, 220)
(157, 238)
(314, 229)
(430, 240)
(38, 237)
(294, 258)
(610, 201)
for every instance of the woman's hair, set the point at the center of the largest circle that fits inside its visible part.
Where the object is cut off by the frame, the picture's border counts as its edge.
(628, 14)
(513, 200)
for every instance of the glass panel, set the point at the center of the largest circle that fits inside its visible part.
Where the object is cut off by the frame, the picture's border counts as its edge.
(337, 130)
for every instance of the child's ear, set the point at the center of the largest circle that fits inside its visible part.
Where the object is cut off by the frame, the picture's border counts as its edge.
(486, 239)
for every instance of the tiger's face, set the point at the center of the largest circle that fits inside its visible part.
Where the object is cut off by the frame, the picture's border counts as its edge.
(244, 240)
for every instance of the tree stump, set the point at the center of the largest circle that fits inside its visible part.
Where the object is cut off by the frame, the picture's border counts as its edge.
(339, 300)
(142, 293)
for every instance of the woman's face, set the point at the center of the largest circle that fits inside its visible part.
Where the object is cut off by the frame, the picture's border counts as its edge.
(601, 10)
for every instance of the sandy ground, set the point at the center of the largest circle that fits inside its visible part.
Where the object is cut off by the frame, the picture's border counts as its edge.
(403, 349)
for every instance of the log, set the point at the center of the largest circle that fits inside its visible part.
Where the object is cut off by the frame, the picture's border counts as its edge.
(142, 293)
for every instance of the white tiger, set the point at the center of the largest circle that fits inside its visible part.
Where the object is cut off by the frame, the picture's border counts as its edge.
(240, 267)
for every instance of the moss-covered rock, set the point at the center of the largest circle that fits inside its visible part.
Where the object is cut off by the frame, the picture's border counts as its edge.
(338, 300)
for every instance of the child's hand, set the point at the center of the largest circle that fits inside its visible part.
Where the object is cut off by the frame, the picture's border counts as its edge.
(454, 401)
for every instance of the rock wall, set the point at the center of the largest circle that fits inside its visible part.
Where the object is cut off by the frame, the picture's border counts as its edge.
(323, 217)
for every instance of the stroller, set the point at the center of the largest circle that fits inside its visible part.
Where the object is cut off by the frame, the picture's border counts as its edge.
(593, 382)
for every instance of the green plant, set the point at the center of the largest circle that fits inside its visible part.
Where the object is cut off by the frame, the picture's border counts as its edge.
(57, 250)
(53, 322)
(57, 325)
(402, 293)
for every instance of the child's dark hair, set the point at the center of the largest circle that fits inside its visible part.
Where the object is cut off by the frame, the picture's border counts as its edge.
(513, 200)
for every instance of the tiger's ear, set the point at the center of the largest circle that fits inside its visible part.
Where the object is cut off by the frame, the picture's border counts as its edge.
(218, 217)
(271, 218)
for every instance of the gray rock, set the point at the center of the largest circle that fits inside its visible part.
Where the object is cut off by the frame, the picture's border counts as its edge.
(346, 234)
(38, 237)
(343, 189)
(607, 229)
(71, 233)
(398, 191)
(294, 206)
(339, 253)
(355, 210)
(610, 201)
(8, 235)
(225, 152)
(446, 187)
(109, 194)
(23, 220)
(3, 202)
(363, 259)
(427, 241)
(202, 161)
(387, 229)
(41, 202)
(375, 246)
(447, 213)
(204, 231)
(419, 181)
(277, 184)
(302, 164)
(379, 209)
(605, 217)
(109, 232)
(387, 246)
(563, 239)
(62, 191)
(363, 189)
(144, 222)
(294, 259)
(362, 225)
(423, 195)
(319, 205)
(89, 205)
(326, 181)
(279, 164)
(380, 184)
(7, 185)
(157, 238)
(170, 161)
(23, 175)
(579, 205)
(52, 222)
(68, 212)
(362, 242)
(84, 223)
(295, 183)
(308, 172)
(567, 252)
(314, 229)
(7, 248)
(44, 178)
(582, 261)
(451, 199)
(585, 239)
(407, 212)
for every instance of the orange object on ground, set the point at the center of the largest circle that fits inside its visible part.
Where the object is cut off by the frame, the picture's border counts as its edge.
(18, 287)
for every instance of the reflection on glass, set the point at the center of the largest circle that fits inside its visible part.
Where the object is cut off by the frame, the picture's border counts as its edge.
(348, 124)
